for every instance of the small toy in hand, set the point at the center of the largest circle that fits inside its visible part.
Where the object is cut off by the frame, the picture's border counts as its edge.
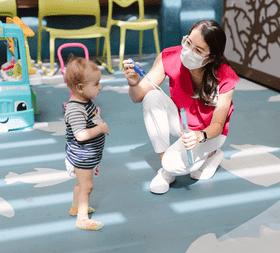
(141, 72)
(137, 68)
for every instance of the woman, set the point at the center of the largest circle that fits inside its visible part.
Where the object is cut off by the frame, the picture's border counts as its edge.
(201, 82)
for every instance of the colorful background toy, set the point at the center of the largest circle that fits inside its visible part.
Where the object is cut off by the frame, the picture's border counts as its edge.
(16, 110)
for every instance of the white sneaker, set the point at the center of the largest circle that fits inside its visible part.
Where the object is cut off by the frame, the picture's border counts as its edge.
(160, 183)
(208, 169)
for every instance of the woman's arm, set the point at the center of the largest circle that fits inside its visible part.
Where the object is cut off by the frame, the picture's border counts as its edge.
(138, 89)
(219, 115)
(216, 126)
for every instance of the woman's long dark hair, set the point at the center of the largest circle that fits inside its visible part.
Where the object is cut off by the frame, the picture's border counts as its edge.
(215, 38)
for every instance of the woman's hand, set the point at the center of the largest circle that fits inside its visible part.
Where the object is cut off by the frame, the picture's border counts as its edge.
(139, 88)
(191, 139)
(131, 75)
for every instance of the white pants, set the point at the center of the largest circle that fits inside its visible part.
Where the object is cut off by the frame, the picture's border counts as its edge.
(162, 120)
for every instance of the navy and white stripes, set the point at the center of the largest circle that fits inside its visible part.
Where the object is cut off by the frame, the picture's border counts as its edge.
(78, 117)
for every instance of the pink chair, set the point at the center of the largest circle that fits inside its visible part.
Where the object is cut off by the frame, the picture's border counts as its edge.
(62, 69)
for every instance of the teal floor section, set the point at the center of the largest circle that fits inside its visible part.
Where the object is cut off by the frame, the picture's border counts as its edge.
(238, 210)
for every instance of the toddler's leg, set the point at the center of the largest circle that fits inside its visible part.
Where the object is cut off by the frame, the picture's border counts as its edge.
(85, 184)
(74, 209)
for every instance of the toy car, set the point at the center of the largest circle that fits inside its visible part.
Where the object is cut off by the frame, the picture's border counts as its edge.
(16, 111)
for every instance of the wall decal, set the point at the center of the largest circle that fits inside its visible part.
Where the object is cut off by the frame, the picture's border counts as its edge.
(253, 39)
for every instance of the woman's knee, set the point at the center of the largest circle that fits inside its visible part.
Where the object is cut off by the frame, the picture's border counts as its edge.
(153, 97)
(169, 165)
(175, 159)
(175, 168)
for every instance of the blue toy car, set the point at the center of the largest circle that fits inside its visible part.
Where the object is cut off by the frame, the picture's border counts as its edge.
(16, 111)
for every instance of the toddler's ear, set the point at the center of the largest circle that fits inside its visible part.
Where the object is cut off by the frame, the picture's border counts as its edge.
(79, 87)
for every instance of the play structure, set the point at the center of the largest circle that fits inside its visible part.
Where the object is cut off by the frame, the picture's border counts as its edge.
(16, 111)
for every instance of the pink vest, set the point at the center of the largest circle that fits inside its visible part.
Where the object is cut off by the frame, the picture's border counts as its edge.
(199, 115)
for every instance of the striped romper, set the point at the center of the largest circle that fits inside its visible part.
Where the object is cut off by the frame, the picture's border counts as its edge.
(78, 117)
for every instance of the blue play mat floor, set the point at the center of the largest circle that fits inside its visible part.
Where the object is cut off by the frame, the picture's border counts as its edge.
(238, 210)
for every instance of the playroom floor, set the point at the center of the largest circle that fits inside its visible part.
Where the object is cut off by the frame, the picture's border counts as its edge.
(238, 210)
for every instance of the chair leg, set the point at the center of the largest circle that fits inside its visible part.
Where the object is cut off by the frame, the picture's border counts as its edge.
(108, 66)
(27, 53)
(104, 44)
(39, 45)
(140, 44)
(108, 51)
(122, 47)
(155, 31)
(29, 67)
(52, 49)
(104, 51)
(97, 47)
(39, 61)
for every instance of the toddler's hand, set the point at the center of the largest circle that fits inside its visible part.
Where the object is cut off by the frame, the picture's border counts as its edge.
(104, 127)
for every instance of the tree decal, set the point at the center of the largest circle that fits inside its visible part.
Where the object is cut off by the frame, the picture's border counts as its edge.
(252, 28)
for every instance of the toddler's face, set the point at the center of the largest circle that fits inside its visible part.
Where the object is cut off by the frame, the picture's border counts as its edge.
(93, 86)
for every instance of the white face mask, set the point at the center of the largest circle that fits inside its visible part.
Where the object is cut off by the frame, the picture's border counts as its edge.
(190, 59)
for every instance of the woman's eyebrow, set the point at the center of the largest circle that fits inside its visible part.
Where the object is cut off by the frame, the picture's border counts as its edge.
(196, 45)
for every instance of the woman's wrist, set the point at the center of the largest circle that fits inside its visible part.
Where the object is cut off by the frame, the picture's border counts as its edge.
(203, 136)
(133, 84)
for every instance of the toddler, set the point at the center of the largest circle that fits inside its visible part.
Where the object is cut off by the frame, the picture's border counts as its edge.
(85, 136)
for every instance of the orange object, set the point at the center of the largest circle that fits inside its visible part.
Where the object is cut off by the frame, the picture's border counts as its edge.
(27, 32)
(11, 46)
(17, 21)
(32, 72)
